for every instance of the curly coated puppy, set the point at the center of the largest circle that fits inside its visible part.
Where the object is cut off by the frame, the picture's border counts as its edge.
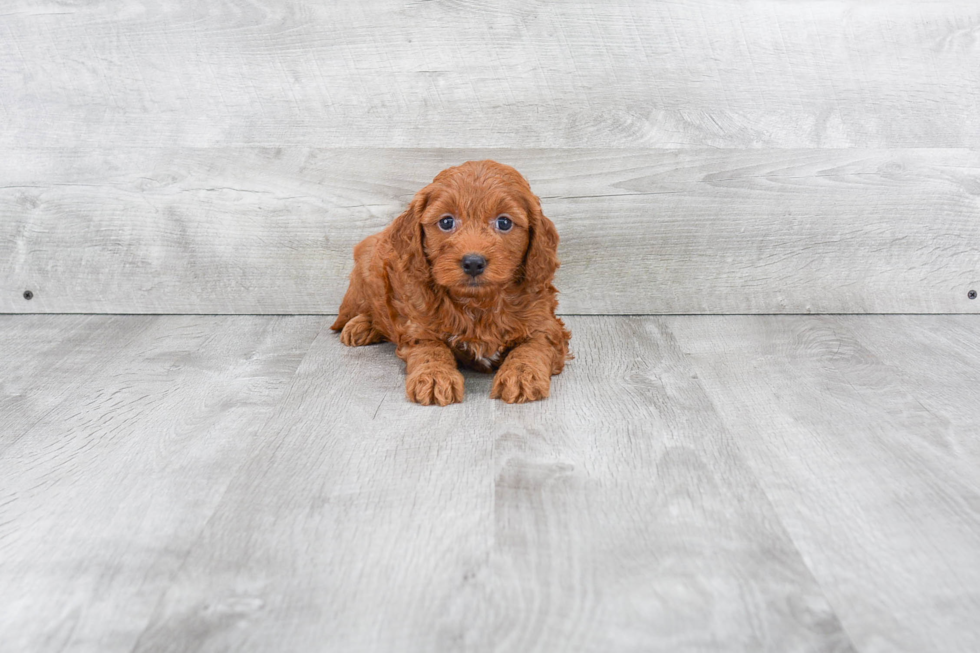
(463, 276)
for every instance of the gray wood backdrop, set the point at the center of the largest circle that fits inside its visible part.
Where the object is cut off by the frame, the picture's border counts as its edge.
(703, 157)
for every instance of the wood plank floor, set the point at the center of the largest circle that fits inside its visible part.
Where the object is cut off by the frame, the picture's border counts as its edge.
(751, 483)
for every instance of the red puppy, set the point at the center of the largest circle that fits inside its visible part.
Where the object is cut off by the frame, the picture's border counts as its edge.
(464, 275)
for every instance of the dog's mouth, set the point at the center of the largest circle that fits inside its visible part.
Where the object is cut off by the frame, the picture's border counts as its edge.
(472, 286)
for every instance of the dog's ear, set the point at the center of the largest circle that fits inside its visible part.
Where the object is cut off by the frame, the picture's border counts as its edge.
(407, 237)
(541, 259)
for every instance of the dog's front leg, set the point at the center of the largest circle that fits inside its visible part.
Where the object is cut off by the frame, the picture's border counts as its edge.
(525, 375)
(431, 373)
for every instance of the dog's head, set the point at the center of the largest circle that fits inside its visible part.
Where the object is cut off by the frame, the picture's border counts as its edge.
(475, 229)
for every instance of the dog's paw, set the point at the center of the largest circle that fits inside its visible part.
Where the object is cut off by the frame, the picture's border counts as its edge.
(520, 383)
(428, 387)
(360, 331)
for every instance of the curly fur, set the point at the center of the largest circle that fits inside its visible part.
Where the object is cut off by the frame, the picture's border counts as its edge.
(408, 287)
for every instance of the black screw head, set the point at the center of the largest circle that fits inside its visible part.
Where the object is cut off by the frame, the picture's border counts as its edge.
(28, 295)
(972, 294)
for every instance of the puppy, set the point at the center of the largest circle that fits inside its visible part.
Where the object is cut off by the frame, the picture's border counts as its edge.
(464, 276)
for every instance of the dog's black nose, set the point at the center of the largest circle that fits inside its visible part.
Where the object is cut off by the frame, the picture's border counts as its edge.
(474, 264)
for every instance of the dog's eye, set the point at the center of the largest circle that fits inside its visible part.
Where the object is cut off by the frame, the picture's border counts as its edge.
(447, 222)
(504, 223)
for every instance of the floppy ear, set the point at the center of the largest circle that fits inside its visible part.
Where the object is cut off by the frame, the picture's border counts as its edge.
(541, 260)
(406, 236)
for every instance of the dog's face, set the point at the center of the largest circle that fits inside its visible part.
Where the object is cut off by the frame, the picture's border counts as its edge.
(478, 227)
(475, 228)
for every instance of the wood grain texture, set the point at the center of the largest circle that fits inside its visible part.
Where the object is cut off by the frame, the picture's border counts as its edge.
(862, 432)
(103, 493)
(191, 500)
(627, 519)
(511, 74)
(49, 360)
(260, 230)
(355, 522)
(941, 364)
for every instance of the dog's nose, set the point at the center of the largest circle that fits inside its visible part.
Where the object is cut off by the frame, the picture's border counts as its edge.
(473, 264)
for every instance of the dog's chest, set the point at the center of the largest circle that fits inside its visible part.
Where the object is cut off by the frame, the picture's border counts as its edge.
(480, 355)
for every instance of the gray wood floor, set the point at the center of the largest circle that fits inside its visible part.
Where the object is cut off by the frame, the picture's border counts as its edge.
(763, 483)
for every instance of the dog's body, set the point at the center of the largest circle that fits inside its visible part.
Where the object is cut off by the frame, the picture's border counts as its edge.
(464, 275)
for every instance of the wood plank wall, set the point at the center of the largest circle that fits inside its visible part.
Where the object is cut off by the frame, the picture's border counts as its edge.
(704, 157)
